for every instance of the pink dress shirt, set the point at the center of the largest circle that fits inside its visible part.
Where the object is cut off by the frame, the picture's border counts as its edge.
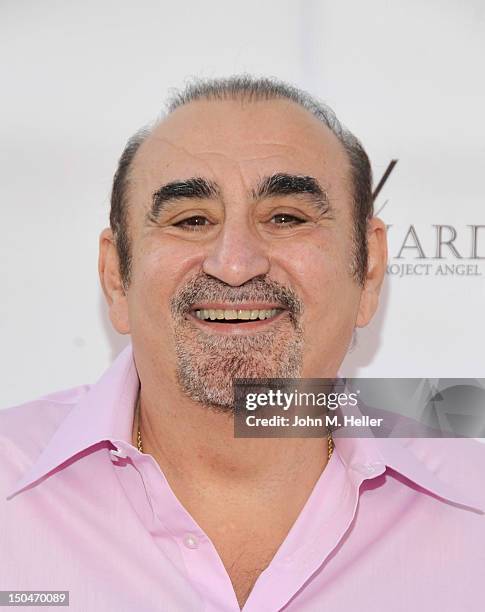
(392, 525)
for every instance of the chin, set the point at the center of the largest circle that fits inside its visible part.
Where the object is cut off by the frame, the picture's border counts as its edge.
(208, 380)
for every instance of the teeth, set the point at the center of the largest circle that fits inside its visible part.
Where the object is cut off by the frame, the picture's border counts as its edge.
(233, 315)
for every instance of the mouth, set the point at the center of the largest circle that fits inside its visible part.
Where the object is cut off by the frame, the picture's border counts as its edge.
(235, 318)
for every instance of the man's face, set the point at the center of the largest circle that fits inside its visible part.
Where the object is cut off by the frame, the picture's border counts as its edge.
(239, 210)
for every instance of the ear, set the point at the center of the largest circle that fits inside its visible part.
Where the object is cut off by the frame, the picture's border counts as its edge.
(109, 275)
(377, 260)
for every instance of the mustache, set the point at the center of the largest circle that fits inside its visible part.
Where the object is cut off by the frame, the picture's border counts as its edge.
(204, 288)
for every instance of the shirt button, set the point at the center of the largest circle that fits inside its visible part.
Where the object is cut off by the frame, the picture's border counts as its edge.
(118, 453)
(190, 541)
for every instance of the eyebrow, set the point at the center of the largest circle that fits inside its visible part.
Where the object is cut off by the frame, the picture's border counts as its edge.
(280, 184)
(192, 188)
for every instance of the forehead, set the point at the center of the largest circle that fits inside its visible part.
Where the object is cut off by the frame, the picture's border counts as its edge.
(224, 138)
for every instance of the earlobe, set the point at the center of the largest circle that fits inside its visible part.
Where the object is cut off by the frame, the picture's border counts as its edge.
(109, 275)
(377, 260)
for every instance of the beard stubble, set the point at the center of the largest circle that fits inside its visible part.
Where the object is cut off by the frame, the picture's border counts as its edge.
(208, 363)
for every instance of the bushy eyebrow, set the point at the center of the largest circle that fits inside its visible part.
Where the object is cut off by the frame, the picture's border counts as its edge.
(198, 188)
(282, 184)
(192, 188)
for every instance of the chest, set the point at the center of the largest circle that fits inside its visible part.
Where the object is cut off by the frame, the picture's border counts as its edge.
(244, 560)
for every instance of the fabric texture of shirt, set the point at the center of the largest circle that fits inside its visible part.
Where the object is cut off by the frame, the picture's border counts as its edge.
(391, 525)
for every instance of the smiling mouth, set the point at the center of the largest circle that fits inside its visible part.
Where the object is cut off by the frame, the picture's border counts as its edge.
(235, 318)
(232, 316)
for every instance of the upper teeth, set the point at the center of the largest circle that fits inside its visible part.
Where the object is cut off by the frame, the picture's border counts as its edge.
(245, 315)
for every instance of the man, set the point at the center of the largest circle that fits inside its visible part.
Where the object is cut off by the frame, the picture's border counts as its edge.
(242, 245)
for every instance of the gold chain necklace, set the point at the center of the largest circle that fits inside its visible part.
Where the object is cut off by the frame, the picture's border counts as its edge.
(330, 444)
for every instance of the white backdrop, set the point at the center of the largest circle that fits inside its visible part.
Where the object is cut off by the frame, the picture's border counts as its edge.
(79, 78)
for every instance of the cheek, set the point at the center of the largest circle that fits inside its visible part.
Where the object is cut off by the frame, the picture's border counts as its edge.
(158, 271)
(317, 265)
(320, 270)
(154, 274)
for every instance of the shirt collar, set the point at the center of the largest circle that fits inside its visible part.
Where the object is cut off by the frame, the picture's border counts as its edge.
(446, 467)
(105, 413)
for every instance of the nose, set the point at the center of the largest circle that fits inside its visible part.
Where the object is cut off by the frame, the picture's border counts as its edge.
(237, 255)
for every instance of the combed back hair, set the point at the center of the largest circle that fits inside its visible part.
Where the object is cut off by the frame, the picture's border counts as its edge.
(251, 89)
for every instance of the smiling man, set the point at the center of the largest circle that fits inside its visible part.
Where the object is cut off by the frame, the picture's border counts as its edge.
(242, 245)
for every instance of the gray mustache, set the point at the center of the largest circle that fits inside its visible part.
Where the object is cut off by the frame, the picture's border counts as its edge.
(203, 288)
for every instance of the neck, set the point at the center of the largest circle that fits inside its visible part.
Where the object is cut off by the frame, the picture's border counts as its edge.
(193, 443)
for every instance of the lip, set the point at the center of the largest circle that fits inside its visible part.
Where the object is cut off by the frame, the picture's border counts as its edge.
(242, 328)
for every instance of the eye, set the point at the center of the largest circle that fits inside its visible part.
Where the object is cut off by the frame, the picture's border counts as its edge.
(286, 219)
(193, 223)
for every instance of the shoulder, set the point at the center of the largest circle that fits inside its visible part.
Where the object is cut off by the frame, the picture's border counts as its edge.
(26, 429)
(451, 455)
(458, 462)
